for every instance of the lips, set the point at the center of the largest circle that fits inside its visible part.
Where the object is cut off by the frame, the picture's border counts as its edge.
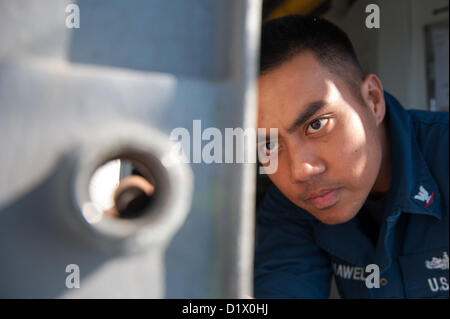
(324, 198)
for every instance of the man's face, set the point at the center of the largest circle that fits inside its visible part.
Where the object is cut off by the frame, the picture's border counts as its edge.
(329, 150)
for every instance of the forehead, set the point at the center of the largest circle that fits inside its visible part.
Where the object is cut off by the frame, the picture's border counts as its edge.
(285, 90)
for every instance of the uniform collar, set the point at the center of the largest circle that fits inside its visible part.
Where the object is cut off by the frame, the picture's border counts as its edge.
(413, 188)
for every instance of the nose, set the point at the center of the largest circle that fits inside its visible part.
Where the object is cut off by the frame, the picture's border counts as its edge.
(304, 164)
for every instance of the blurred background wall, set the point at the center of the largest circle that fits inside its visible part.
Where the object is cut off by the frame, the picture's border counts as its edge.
(406, 51)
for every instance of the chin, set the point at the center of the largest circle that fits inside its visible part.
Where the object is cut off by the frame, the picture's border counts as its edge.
(335, 215)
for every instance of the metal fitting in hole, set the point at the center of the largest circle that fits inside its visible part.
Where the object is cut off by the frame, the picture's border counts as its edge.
(131, 197)
(149, 207)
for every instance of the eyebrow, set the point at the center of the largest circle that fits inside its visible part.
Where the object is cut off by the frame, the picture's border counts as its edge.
(311, 109)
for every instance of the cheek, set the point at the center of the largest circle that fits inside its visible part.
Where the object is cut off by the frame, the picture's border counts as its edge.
(281, 176)
(358, 156)
(282, 179)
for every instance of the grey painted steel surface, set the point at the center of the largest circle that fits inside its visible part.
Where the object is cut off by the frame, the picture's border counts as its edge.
(71, 98)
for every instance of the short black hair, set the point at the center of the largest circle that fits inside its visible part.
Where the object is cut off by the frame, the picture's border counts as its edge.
(288, 36)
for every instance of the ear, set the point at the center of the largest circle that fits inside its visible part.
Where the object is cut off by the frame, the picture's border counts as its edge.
(373, 96)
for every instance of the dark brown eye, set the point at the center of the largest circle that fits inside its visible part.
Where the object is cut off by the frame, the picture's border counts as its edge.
(270, 146)
(315, 125)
